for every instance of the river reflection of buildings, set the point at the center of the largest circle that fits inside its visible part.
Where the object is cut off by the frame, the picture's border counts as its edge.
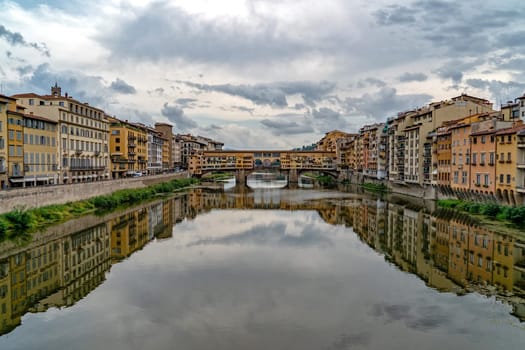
(449, 252)
(57, 270)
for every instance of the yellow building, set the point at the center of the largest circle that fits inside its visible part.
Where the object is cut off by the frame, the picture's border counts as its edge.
(128, 148)
(40, 151)
(15, 147)
(82, 134)
(165, 153)
(5, 103)
(506, 166)
(5, 297)
(129, 233)
(329, 141)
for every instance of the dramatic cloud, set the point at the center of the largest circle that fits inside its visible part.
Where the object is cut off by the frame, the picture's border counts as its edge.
(161, 31)
(370, 82)
(384, 103)
(245, 72)
(326, 118)
(175, 115)
(408, 77)
(122, 87)
(272, 94)
(504, 90)
(288, 124)
(17, 39)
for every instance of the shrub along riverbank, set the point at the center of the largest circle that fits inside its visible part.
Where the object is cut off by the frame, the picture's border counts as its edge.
(492, 211)
(369, 186)
(19, 222)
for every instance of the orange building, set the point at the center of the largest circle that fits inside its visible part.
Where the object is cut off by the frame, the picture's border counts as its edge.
(444, 155)
(483, 168)
(460, 156)
(506, 167)
(329, 141)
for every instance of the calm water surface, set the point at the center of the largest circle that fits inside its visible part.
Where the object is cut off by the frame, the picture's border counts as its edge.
(273, 269)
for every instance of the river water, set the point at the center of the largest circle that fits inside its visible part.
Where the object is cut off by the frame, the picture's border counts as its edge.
(265, 269)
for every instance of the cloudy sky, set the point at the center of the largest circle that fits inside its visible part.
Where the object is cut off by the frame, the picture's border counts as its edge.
(263, 73)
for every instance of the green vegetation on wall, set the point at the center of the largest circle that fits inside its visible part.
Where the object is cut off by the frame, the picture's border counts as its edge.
(20, 221)
(514, 215)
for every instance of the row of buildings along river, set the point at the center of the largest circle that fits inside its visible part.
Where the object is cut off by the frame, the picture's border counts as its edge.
(56, 139)
(448, 251)
(462, 147)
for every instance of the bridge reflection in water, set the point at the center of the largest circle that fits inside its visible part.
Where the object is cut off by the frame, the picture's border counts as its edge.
(450, 252)
(266, 180)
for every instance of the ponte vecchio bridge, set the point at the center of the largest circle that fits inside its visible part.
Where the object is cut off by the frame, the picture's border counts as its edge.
(243, 163)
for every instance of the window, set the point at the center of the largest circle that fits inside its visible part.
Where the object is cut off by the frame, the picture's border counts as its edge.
(486, 179)
(483, 139)
(508, 157)
(464, 177)
(508, 178)
(31, 102)
(491, 158)
(474, 158)
(478, 179)
(11, 150)
(11, 134)
(501, 177)
(2, 143)
(482, 158)
(456, 174)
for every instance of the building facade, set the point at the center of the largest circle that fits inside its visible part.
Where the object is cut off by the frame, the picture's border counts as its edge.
(83, 134)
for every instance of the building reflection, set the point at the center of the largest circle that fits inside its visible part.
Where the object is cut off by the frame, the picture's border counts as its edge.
(449, 251)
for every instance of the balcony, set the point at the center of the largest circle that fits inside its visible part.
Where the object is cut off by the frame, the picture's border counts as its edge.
(131, 137)
(78, 152)
(520, 189)
(521, 165)
(132, 145)
(521, 143)
(86, 168)
(96, 153)
(119, 160)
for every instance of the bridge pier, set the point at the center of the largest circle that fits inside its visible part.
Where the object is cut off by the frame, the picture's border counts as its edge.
(292, 176)
(240, 176)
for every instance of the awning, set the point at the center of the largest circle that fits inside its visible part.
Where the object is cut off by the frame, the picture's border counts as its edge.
(17, 180)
